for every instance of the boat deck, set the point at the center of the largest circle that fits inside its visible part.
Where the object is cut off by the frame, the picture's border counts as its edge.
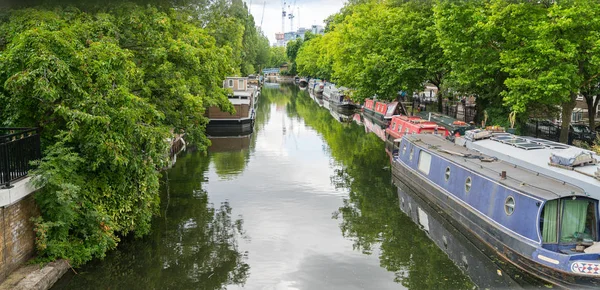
(522, 179)
(537, 159)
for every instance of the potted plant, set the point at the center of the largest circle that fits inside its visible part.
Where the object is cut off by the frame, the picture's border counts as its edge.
(512, 117)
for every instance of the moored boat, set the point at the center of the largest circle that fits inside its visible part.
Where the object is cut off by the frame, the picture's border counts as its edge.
(401, 125)
(315, 87)
(485, 268)
(337, 98)
(543, 225)
(381, 112)
(302, 83)
(534, 154)
(243, 98)
(454, 126)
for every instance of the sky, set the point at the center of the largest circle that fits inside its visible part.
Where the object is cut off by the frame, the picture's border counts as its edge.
(308, 12)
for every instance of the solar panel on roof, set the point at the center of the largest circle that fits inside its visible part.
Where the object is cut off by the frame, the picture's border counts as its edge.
(514, 141)
(522, 142)
(529, 146)
(500, 138)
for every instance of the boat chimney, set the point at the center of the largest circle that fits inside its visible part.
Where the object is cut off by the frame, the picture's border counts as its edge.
(503, 174)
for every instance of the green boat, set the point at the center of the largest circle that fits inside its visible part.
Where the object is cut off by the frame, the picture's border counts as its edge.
(451, 124)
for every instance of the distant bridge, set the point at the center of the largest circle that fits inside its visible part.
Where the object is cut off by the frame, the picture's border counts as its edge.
(270, 70)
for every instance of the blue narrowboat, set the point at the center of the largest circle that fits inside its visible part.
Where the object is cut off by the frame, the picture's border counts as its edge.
(545, 226)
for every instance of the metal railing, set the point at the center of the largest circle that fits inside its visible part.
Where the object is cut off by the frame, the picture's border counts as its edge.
(18, 147)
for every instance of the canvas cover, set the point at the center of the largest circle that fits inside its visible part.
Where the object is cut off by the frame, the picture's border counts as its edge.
(477, 134)
(571, 157)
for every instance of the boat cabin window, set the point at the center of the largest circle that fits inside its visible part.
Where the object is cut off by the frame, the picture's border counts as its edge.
(390, 110)
(230, 83)
(569, 221)
(424, 162)
(404, 149)
(447, 174)
(244, 97)
(468, 184)
(509, 205)
(240, 84)
(412, 151)
(400, 128)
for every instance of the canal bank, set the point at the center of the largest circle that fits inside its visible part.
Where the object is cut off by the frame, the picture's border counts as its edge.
(304, 203)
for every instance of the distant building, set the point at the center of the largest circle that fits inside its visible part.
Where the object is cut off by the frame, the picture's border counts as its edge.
(284, 38)
(317, 29)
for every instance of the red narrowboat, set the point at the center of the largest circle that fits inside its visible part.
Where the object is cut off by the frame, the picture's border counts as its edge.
(402, 125)
(381, 112)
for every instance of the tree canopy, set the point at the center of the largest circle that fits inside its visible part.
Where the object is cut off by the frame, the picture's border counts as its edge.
(515, 56)
(108, 86)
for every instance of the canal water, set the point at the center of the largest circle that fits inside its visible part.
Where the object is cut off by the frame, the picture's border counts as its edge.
(305, 202)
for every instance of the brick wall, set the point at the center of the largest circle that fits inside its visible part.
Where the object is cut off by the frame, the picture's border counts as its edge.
(17, 239)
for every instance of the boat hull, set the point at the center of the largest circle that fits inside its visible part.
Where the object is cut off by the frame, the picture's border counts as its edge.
(476, 259)
(505, 245)
(230, 127)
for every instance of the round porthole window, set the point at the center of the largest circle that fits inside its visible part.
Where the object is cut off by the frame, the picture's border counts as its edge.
(509, 205)
(468, 184)
(447, 174)
(411, 153)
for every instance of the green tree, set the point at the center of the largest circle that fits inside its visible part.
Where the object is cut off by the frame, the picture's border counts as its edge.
(277, 57)
(106, 89)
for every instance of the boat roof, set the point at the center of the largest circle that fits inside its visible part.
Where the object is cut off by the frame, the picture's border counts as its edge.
(446, 120)
(534, 153)
(243, 93)
(239, 101)
(519, 178)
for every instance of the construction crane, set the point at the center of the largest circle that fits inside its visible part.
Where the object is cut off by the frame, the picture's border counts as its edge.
(283, 14)
(291, 15)
(263, 15)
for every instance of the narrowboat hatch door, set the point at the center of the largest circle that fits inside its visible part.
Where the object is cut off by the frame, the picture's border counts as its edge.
(569, 225)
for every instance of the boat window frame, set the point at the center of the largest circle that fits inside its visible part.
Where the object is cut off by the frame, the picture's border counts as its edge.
(424, 168)
(468, 184)
(559, 217)
(412, 153)
(240, 84)
(447, 173)
(404, 149)
(561, 214)
(230, 83)
(506, 206)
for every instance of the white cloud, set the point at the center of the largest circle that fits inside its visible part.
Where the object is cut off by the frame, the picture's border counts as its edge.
(307, 13)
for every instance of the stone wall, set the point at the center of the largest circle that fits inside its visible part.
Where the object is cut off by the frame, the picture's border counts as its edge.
(17, 238)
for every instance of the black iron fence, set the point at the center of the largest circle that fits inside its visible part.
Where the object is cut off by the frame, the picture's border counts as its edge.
(460, 112)
(18, 147)
(466, 113)
(546, 129)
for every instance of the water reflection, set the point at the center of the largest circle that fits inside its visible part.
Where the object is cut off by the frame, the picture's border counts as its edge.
(483, 268)
(230, 155)
(370, 216)
(192, 245)
(372, 127)
(286, 179)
